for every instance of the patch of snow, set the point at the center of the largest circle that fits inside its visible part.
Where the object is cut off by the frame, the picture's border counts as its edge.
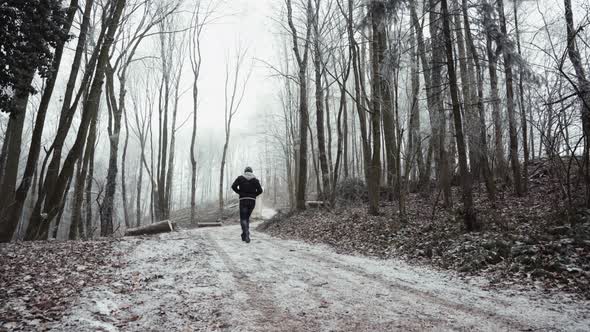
(268, 213)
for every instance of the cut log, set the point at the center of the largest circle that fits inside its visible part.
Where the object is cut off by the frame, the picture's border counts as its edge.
(155, 228)
(209, 224)
(317, 204)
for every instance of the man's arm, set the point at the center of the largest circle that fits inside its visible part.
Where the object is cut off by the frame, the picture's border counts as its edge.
(234, 186)
(258, 188)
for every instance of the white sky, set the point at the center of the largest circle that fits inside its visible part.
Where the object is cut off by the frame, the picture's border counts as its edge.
(251, 26)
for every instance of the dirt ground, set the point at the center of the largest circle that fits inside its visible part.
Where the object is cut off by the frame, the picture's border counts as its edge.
(209, 280)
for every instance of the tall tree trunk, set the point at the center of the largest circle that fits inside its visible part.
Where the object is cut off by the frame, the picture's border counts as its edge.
(499, 157)
(319, 103)
(221, 173)
(389, 134)
(12, 148)
(469, 216)
(345, 158)
(482, 149)
(515, 163)
(430, 100)
(171, 155)
(195, 60)
(466, 72)
(163, 138)
(341, 137)
(439, 118)
(359, 89)
(114, 131)
(123, 174)
(303, 107)
(76, 227)
(414, 140)
(399, 184)
(583, 90)
(138, 210)
(327, 98)
(523, 120)
(315, 163)
(378, 84)
(89, 155)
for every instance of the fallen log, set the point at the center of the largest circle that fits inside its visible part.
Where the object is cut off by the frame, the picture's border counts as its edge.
(208, 224)
(317, 204)
(155, 228)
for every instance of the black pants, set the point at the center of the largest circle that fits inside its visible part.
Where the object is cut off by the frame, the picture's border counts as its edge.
(246, 208)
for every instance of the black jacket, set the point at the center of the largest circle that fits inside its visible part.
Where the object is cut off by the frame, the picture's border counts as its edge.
(247, 187)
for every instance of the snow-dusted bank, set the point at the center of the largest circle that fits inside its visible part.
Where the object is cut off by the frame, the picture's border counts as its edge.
(209, 280)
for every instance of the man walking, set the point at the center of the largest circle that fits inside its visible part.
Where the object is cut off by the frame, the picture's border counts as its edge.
(248, 187)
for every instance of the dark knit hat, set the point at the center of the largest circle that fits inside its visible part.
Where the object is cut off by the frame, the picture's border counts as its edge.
(248, 169)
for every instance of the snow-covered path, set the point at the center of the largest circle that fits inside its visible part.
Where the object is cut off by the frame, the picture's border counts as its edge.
(209, 280)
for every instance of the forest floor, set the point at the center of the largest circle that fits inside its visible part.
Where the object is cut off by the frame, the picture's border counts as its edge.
(209, 280)
(527, 242)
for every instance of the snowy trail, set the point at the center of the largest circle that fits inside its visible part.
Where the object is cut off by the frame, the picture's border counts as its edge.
(209, 280)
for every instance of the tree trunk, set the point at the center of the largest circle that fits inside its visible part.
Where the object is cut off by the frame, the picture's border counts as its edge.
(359, 87)
(471, 123)
(583, 91)
(12, 143)
(341, 138)
(414, 139)
(378, 85)
(303, 107)
(439, 117)
(388, 129)
(155, 228)
(76, 226)
(523, 120)
(469, 216)
(123, 175)
(114, 131)
(515, 163)
(430, 100)
(221, 173)
(319, 102)
(89, 154)
(171, 155)
(483, 148)
(163, 136)
(499, 157)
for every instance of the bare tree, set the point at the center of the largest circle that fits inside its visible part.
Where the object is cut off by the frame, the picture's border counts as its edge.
(201, 17)
(507, 52)
(301, 56)
(236, 81)
(469, 216)
(38, 228)
(582, 90)
(11, 207)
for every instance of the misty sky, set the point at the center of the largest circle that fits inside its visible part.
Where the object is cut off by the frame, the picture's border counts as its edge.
(247, 22)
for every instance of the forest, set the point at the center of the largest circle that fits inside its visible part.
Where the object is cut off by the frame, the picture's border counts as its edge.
(452, 132)
(403, 97)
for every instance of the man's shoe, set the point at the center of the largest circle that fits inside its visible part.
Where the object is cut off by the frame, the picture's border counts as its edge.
(248, 239)
(243, 237)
